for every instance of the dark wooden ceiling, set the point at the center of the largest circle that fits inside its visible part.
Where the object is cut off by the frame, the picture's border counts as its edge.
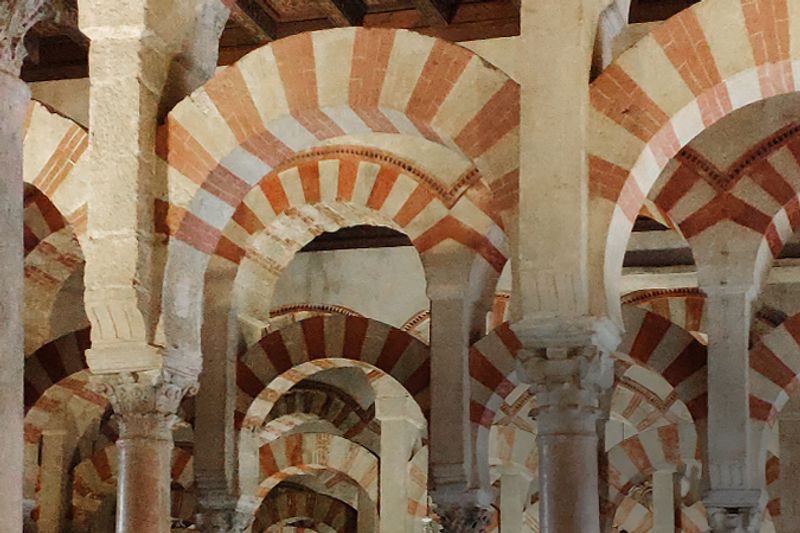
(59, 51)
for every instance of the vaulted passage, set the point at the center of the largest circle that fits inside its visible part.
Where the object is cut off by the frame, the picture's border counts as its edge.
(382, 266)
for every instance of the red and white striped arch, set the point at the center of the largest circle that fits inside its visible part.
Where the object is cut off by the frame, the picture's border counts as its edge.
(757, 196)
(54, 219)
(665, 350)
(670, 351)
(683, 307)
(644, 399)
(287, 505)
(378, 349)
(52, 147)
(650, 339)
(774, 373)
(95, 479)
(308, 453)
(53, 363)
(232, 136)
(326, 407)
(71, 396)
(417, 475)
(510, 445)
(632, 516)
(53, 277)
(697, 67)
(635, 459)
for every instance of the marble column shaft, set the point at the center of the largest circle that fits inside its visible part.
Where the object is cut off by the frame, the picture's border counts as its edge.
(145, 457)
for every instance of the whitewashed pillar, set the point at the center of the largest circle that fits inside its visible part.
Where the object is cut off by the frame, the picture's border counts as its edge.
(664, 501)
(515, 484)
(734, 492)
(400, 431)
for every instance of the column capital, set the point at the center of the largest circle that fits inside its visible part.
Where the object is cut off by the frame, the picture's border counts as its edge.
(145, 403)
(460, 512)
(16, 18)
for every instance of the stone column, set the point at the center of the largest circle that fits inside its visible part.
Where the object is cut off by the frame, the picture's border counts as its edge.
(55, 465)
(569, 370)
(16, 18)
(399, 432)
(733, 485)
(145, 405)
(789, 445)
(514, 487)
(664, 501)
(451, 454)
(557, 40)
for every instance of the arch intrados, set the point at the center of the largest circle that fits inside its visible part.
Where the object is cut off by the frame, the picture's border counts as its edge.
(328, 484)
(340, 456)
(483, 118)
(381, 382)
(53, 146)
(303, 501)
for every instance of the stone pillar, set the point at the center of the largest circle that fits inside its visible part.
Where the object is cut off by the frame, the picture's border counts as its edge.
(664, 501)
(514, 487)
(16, 18)
(53, 500)
(557, 40)
(145, 405)
(143, 54)
(789, 445)
(569, 369)
(399, 432)
(733, 485)
(451, 454)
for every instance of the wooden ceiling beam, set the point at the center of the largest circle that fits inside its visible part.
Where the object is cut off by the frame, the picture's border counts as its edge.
(344, 12)
(252, 18)
(436, 12)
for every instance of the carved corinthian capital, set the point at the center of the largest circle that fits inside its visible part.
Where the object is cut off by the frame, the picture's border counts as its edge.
(568, 365)
(145, 403)
(16, 18)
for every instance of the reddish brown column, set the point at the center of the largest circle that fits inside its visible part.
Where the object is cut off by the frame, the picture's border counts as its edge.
(145, 456)
(145, 404)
